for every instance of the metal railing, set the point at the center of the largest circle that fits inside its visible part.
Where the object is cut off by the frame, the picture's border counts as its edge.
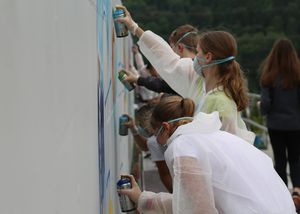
(256, 122)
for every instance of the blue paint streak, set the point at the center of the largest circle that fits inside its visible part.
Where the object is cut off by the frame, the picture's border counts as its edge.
(107, 178)
(106, 97)
(101, 145)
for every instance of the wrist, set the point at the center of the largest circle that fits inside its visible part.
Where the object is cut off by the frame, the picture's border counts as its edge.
(137, 196)
(133, 27)
(134, 131)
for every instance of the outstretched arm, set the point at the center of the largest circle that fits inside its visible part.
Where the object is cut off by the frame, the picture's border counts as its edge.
(148, 202)
(167, 63)
(192, 191)
(155, 84)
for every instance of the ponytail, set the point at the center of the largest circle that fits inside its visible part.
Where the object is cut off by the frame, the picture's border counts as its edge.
(222, 45)
(172, 107)
(188, 107)
(234, 83)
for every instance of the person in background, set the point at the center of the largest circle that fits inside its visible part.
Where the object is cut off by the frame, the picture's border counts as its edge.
(144, 71)
(213, 171)
(280, 102)
(145, 141)
(213, 80)
(183, 41)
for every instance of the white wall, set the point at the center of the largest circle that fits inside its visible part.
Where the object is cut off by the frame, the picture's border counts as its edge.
(48, 107)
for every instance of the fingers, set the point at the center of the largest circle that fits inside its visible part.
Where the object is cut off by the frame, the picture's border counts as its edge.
(124, 8)
(128, 125)
(130, 77)
(127, 19)
(127, 115)
(120, 6)
(133, 193)
(126, 71)
(124, 191)
(130, 177)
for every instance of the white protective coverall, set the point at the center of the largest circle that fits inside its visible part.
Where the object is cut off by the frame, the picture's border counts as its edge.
(216, 172)
(180, 75)
(156, 150)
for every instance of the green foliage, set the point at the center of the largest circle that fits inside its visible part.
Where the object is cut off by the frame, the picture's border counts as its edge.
(256, 24)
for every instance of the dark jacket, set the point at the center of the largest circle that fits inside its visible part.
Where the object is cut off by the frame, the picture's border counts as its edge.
(155, 84)
(281, 106)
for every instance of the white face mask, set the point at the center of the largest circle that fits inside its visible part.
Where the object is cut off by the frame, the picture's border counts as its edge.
(199, 67)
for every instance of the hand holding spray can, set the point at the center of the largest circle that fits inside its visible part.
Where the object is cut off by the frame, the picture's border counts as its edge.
(126, 204)
(123, 130)
(121, 28)
(121, 77)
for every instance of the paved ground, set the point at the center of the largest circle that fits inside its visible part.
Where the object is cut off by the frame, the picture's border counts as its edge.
(152, 181)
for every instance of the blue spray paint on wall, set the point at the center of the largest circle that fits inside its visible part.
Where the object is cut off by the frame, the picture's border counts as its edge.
(113, 100)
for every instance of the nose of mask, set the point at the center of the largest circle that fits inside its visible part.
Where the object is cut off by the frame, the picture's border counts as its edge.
(197, 66)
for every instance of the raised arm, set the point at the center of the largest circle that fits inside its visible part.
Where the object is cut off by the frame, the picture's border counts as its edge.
(177, 72)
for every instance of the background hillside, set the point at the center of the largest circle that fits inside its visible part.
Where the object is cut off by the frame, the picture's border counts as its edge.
(256, 24)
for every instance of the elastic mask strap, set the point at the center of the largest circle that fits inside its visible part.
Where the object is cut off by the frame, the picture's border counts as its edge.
(218, 61)
(172, 121)
(187, 46)
(177, 119)
(185, 35)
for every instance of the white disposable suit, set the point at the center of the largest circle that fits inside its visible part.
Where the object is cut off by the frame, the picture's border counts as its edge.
(216, 172)
(156, 150)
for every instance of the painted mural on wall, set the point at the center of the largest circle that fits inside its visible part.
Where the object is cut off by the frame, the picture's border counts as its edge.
(114, 100)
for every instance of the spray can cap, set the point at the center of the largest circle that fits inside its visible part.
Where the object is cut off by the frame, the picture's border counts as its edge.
(124, 117)
(123, 181)
(117, 12)
(121, 74)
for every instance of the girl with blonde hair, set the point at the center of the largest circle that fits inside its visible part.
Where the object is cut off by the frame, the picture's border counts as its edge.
(213, 171)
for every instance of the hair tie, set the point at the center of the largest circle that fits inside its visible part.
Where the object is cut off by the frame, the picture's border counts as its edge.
(182, 103)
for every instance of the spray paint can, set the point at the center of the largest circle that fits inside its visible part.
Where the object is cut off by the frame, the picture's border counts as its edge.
(121, 77)
(121, 28)
(126, 204)
(123, 130)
